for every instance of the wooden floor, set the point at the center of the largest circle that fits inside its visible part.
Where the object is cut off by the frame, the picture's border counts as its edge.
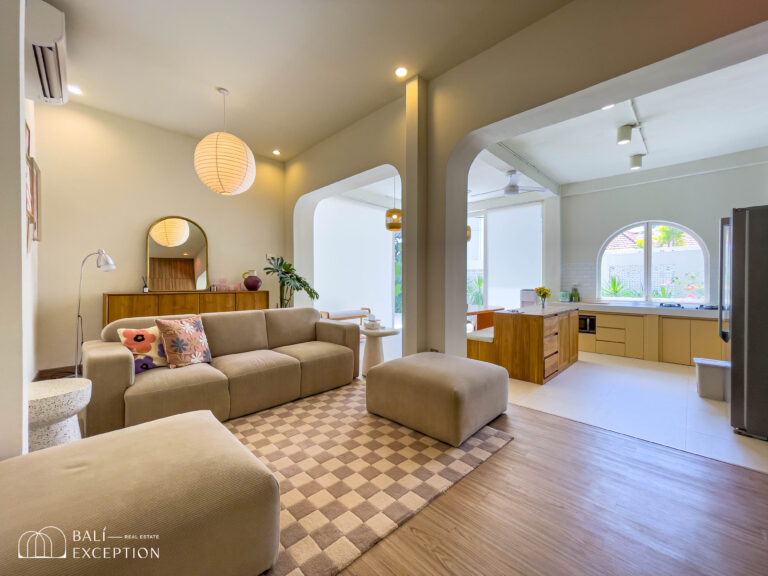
(568, 498)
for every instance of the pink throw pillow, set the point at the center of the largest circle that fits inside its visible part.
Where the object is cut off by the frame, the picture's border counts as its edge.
(184, 341)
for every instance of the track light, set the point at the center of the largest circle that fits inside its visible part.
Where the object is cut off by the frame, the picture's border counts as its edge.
(636, 161)
(624, 134)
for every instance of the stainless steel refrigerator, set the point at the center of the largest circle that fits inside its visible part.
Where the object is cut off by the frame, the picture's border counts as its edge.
(744, 315)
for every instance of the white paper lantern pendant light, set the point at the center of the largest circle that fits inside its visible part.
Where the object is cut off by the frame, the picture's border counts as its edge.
(170, 232)
(223, 162)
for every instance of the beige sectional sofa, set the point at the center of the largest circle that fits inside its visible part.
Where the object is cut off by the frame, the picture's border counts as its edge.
(184, 486)
(259, 359)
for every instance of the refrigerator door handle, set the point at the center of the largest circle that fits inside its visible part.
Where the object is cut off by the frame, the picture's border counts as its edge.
(725, 335)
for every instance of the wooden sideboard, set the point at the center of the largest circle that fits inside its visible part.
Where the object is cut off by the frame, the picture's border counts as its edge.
(130, 305)
(534, 344)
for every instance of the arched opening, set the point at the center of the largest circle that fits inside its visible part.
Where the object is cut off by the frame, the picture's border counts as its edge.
(564, 263)
(341, 244)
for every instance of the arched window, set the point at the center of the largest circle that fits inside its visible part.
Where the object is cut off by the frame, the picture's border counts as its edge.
(655, 261)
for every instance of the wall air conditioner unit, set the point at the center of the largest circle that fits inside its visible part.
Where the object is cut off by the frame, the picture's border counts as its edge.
(45, 54)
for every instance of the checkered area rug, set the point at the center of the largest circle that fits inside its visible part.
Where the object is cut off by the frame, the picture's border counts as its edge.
(348, 478)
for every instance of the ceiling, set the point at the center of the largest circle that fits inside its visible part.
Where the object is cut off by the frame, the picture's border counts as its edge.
(487, 178)
(712, 115)
(297, 70)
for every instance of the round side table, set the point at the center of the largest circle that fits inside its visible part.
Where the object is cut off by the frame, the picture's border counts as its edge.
(53, 408)
(374, 352)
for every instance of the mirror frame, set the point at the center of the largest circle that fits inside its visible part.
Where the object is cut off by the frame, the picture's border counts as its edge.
(207, 268)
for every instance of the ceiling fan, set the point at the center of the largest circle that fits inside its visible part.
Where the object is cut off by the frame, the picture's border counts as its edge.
(513, 187)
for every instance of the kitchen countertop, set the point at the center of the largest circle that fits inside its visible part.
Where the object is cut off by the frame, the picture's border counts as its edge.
(551, 309)
(644, 308)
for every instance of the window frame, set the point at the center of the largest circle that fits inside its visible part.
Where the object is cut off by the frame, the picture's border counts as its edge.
(648, 263)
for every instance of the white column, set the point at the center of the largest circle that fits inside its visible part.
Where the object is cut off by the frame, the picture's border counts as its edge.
(414, 206)
(13, 405)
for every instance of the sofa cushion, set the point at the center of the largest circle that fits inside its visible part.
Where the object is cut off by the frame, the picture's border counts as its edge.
(235, 332)
(163, 392)
(259, 379)
(214, 506)
(290, 326)
(109, 332)
(323, 365)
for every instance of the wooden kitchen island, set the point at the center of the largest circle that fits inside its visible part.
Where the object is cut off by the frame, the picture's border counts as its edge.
(534, 344)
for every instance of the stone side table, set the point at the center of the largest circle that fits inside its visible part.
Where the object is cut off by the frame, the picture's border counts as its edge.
(374, 352)
(53, 408)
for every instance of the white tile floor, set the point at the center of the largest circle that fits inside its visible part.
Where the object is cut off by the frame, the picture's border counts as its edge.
(648, 400)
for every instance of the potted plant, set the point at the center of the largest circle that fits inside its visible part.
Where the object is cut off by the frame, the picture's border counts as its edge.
(289, 280)
(543, 293)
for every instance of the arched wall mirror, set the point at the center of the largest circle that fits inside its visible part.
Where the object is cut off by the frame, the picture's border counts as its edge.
(177, 255)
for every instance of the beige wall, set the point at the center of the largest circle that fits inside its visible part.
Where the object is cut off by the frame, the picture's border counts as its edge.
(106, 179)
(16, 257)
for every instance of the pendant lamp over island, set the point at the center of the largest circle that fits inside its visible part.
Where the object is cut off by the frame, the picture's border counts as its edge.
(394, 216)
(223, 162)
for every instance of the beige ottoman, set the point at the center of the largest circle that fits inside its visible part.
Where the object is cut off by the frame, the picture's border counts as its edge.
(446, 397)
(180, 495)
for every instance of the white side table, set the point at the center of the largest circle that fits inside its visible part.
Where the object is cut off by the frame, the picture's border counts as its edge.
(374, 352)
(53, 408)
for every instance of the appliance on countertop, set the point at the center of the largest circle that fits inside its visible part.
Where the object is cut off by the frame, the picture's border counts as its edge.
(587, 324)
(743, 315)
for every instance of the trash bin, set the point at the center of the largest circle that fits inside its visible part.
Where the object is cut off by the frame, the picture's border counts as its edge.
(713, 379)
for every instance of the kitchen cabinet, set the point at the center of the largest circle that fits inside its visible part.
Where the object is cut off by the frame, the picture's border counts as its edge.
(676, 340)
(705, 340)
(587, 342)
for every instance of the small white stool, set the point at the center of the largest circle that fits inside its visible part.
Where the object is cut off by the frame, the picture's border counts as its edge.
(53, 408)
(374, 352)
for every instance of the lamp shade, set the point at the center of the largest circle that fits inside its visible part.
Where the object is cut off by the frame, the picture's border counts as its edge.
(170, 232)
(394, 220)
(225, 164)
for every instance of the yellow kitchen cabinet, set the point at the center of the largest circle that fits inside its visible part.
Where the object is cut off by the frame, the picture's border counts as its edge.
(633, 337)
(586, 342)
(676, 340)
(705, 340)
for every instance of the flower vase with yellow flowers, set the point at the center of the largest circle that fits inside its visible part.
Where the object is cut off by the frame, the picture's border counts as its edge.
(543, 293)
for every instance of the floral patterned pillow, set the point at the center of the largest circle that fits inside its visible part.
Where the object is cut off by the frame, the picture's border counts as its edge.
(146, 346)
(185, 341)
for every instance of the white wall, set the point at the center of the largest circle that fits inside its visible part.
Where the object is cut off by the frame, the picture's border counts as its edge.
(353, 258)
(17, 256)
(106, 178)
(697, 201)
(515, 252)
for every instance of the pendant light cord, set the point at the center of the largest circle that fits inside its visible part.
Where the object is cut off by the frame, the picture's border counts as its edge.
(224, 98)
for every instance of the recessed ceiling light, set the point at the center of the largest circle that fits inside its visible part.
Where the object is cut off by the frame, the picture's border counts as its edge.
(276, 152)
(401, 72)
(636, 162)
(74, 89)
(624, 134)
(607, 106)
(186, 253)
